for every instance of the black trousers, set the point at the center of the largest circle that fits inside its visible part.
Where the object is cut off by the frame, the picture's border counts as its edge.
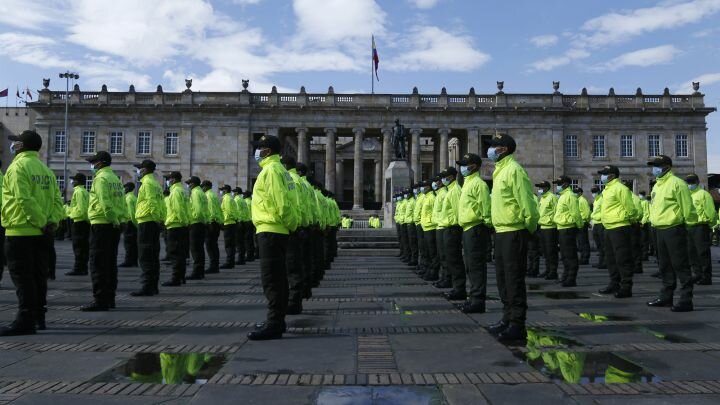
(52, 257)
(412, 241)
(534, 249)
(454, 258)
(197, 239)
(567, 239)
(647, 248)
(433, 263)
(672, 255)
(294, 268)
(274, 275)
(636, 241)
(178, 245)
(422, 253)
(599, 238)
(250, 241)
(130, 242)
(404, 243)
(104, 240)
(549, 242)
(2, 251)
(398, 230)
(510, 265)
(211, 245)
(442, 255)
(699, 241)
(240, 232)
(305, 258)
(28, 267)
(619, 257)
(149, 254)
(81, 246)
(475, 241)
(229, 234)
(327, 247)
(583, 244)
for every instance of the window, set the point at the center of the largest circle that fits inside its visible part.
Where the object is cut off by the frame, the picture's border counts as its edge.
(571, 147)
(597, 183)
(574, 183)
(61, 183)
(143, 143)
(598, 146)
(654, 145)
(626, 146)
(681, 145)
(88, 142)
(171, 143)
(88, 182)
(484, 144)
(60, 141)
(116, 143)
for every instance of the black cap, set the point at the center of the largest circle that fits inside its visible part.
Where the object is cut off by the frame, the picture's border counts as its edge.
(237, 190)
(247, 193)
(268, 141)
(206, 183)
(30, 139)
(101, 156)
(146, 164)
(543, 184)
(79, 177)
(504, 140)
(194, 180)
(579, 190)
(225, 187)
(660, 160)
(470, 158)
(129, 186)
(628, 183)
(450, 171)
(595, 189)
(175, 175)
(692, 179)
(562, 180)
(609, 169)
(288, 161)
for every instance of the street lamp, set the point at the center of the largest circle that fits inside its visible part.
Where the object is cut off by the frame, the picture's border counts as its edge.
(67, 76)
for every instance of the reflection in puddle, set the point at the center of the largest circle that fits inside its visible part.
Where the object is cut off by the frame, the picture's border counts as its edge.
(578, 367)
(165, 368)
(668, 337)
(376, 395)
(603, 318)
(564, 295)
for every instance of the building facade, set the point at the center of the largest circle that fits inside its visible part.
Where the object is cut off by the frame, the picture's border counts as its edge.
(345, 138)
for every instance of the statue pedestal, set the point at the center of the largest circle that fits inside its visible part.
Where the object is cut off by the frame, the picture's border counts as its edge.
(398, 177)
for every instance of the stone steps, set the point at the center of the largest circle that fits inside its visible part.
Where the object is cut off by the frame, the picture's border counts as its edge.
(369, 252)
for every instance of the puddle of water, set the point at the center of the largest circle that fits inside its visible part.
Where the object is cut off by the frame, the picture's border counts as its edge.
(384, 395)
(668, 337)
(603, 317)
(564, 295)
(578, 367)
(165, 368)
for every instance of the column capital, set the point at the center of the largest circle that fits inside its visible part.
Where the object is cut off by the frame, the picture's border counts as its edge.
(444, 131)
(301, 130)
(416, 131)
(387, 131)
(358, 131)
(330, 131)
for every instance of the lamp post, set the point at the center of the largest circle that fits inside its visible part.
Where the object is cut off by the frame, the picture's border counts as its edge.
(67, 76)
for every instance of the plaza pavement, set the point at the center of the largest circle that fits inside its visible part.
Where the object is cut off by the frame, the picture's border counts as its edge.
(373, 333)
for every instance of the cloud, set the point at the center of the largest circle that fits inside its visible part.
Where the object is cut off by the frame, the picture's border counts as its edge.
(541, 41)
(424, 4)
(32, 50)
(705, 80)
(246, 2)
(431, 48)
(642, 57)
(339, 22)
(28, 14)
(553, 62)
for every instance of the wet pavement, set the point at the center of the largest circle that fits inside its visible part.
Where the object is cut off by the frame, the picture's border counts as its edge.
(373, 333)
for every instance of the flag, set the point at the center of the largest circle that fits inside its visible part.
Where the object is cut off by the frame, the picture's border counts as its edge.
(4, 93)
(375, 57)
(28, 92)
(17, 92)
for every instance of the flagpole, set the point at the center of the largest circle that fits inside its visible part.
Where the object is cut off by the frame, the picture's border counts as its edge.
(372, 65)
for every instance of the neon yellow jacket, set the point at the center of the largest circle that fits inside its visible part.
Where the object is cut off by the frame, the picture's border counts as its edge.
(426, 212)
(178, 213)
(449, 216)
(106, 204)
(417, 209)
(704, 207)
(513, 205)
(409, 210)
(584, 207)
(546, 208)
(645, 204)
(400, 212)
(671, 203)
(242, 209)
(437, 208)
(131, 206)
(248, 204)
(596, 215)
(215, 213)
(273, 198)
(474, 204)
(150, 203)
(618, 208)
(30, 196)
(638, 208)
(320, 204)
(199, 207)
(229, 210)
(78, 210)
(303, 199)
(567, 212)
(335, 210)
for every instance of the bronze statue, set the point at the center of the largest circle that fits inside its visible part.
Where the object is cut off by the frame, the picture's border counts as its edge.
(398, 140)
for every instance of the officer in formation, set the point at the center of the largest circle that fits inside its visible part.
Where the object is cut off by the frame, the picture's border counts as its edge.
(200, 213)
(177, 222)
(567, 219)
(130, 231)
(77, 211)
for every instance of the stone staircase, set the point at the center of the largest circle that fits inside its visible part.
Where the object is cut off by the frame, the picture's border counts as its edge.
(367, 242)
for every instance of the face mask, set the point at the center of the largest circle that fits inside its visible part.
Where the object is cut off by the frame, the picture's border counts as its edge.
(692, 186)
(594, 195)
(642, 197)
(464, 171)
(558, 188)
(604, 178)
(257, 155)
(492, 154)
(92, 168)
(12, 148)
(541, 191)
(415, 191)
(167, 183)
(657, 171)
(435, 186)
(445, 182)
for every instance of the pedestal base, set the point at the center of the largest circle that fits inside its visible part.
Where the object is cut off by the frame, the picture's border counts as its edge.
(398, 177)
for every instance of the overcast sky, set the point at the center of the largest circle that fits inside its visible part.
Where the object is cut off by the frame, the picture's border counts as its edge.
(457, 44)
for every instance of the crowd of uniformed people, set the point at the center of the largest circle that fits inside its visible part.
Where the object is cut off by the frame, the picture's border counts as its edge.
(448, 232)
(288, 221)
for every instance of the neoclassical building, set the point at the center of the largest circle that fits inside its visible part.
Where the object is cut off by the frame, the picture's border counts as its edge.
(345, 138)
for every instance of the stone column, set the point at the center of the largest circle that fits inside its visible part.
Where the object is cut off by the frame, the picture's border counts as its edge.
(387, 155)
(443, 161)
(378, 180)
(358, 169)
(330, 159)
(339, 179)
(415, 153)
(302, 145)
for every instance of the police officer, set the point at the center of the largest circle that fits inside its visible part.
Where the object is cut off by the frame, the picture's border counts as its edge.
(636, 234)
(410, 225)
(149, 214)
(177, 222)
(440, 193)
(402, 231)
(249, 229)
(429, 270)
(645, 225)
(294, 254)
(419, 234)
(78, 213)
(699, 232)
(453, 237)
(274, 217)
(597, 227)
(671, 210)
(617, 212)
(583, 241)
(397, 216)
(106, 211)
(515, 215)
(230, 218)
(474, 218)
(307, 228)
(215, 219)
(567, 218)
(240, 230)
(31, 207)
(199, 219)
(130, 233)
(548, 230)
